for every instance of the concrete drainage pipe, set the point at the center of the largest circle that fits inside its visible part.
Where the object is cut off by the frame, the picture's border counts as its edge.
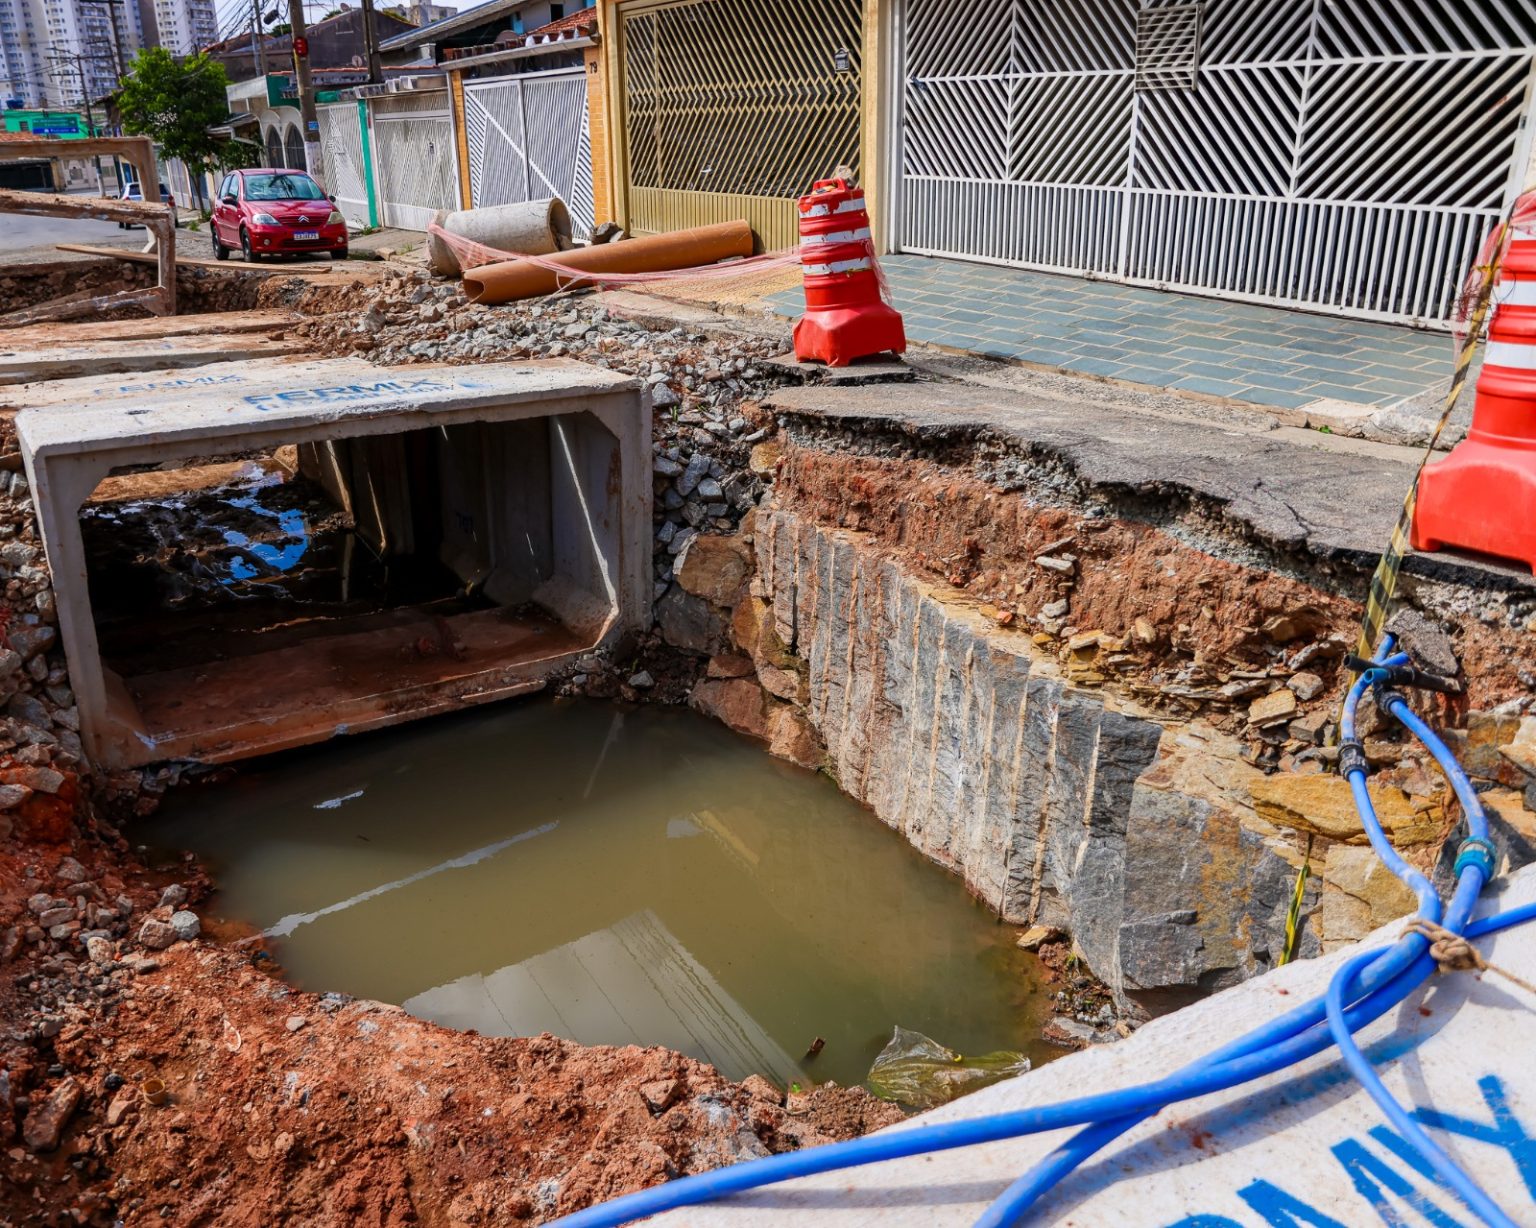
(679, 249)
(531, 227)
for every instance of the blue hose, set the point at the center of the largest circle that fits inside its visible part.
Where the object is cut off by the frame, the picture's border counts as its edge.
(1362, 991)
(1469, 886)
(1023, 1193)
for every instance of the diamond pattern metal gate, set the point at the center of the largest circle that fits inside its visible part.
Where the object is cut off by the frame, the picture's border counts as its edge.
(529, 139)
(345, 162)
(734, 107)
(1340, 155)
(413, 157)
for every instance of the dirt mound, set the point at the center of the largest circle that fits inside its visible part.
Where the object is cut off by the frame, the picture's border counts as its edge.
(288, 1107)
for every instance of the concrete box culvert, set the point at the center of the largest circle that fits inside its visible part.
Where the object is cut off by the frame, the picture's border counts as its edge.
(536, 477)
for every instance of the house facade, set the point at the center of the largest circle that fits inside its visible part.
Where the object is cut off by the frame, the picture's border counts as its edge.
(1345, 156)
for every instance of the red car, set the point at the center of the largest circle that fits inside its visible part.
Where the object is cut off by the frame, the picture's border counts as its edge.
(267, 212)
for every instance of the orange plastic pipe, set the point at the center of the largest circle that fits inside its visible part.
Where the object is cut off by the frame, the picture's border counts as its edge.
(678, 249)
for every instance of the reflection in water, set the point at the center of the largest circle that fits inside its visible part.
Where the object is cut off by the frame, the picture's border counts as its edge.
(633, 979)
(614, 877)
(291, 522)
(286, 925)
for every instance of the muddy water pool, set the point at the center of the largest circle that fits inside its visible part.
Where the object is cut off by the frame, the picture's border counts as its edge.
(613, 876)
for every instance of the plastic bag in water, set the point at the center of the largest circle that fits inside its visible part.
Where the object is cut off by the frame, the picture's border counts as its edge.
(916, 1070)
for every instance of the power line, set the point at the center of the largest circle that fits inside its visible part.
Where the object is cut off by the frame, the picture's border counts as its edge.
(230, 18)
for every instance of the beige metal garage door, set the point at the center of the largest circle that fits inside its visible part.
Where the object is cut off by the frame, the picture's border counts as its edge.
(732, 108)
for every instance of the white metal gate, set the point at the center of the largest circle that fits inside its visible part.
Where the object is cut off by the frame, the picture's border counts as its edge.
(529, 139)
(1340, 155)
(345, 165)
(412, 157)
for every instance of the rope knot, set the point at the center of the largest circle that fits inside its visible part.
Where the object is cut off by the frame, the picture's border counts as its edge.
(1453, 953)
(1448, 949)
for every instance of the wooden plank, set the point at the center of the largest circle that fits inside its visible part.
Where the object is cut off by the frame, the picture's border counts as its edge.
(151, 298)
(101, 208)
(139, 150)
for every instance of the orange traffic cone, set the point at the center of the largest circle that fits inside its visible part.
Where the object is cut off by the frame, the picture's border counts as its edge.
(1482, 496)
(846, 317)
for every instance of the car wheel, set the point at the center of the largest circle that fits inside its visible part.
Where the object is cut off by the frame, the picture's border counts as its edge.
(339, 254)
(245, 246)
(220, 252)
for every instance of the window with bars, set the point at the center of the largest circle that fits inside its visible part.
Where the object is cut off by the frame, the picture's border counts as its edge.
(1168, 47)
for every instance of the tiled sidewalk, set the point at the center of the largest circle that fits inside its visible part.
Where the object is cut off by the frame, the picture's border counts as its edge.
(1263, 355)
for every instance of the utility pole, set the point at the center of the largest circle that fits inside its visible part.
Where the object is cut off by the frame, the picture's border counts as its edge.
(258, 40)
(117, 41)
(78, 62)
(371, 42)
(306, 90)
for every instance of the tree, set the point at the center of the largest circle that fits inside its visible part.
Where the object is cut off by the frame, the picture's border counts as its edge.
(175, 103)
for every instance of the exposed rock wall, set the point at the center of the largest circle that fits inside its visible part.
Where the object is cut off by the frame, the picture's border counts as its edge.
(1057, 805)
(1155, 840)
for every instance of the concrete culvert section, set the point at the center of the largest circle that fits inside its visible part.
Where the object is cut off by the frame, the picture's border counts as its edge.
(284, 552)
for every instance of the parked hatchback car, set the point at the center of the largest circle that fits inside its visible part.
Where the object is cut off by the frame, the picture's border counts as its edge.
(132, 191)
(271, 212)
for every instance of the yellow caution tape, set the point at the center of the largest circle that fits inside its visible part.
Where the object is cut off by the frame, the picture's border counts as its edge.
(1293, 917)
(1384, 581)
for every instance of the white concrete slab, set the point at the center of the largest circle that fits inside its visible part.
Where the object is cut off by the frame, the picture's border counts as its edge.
(21, 364)
(311, 399)
(86, 390)
(1305, 1149)
(599, 475)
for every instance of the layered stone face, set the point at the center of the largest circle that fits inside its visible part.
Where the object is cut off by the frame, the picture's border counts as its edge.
(1104, 694)
(1057, 805)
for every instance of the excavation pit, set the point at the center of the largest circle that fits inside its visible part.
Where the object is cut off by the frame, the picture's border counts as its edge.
(612, 875)
(273, 553)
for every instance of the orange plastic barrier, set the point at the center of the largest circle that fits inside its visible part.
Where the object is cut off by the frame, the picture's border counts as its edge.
(846, 315)
(1482, 496)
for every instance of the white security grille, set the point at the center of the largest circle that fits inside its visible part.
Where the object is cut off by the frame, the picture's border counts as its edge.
(345, 169)
(529, 140)
(1341, 155)
(1168, 47)
(413, 157)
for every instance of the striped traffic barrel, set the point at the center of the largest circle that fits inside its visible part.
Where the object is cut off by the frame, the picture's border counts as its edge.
(1482, 497)
(846, 315)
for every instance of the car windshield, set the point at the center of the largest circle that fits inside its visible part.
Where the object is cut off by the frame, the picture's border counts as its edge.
(282, 187)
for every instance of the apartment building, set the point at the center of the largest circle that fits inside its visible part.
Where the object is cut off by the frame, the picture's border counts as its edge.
(53, 53)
